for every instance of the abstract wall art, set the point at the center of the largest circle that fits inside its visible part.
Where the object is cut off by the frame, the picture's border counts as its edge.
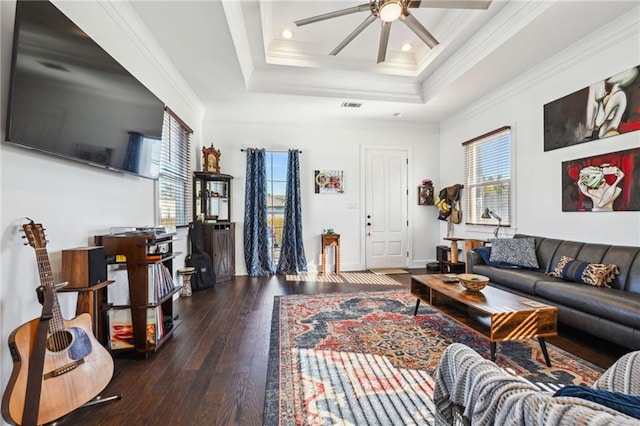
(607, 108)
(329, 181)
(602, 183)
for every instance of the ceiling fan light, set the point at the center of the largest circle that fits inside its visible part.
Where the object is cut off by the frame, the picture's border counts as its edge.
(390, 11)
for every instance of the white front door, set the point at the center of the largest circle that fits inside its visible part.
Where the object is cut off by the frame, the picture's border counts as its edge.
(386, 227)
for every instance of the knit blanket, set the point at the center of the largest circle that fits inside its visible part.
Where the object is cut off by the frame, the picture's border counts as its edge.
(489, 396)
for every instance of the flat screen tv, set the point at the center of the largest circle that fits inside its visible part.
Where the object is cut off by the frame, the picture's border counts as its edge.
(70, 98)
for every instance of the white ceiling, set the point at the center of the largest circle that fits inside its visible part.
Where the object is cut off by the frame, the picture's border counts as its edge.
(234, 58)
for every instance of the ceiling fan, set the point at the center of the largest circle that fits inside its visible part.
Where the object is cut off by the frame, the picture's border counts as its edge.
(389, 11)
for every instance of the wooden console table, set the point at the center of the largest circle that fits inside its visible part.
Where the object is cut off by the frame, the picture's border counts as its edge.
(330, 240)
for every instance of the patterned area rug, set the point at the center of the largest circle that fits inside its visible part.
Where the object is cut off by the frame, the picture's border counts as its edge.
(363, 358)
(345, 277)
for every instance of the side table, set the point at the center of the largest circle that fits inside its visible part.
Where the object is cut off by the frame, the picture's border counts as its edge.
(93, 300)
(330, 240)
(454, 248)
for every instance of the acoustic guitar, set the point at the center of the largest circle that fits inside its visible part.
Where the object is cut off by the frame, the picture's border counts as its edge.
(76, 366)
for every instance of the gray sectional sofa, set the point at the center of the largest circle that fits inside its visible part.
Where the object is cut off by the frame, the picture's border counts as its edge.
(609, 313)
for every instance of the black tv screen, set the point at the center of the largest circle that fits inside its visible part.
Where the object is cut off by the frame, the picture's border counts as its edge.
(70, 98)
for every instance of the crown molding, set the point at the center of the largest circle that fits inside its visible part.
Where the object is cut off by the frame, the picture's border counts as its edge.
(127, 20)
(263, 70)
(512, 18)
(238, 29)
(627, 27)
(284, 80)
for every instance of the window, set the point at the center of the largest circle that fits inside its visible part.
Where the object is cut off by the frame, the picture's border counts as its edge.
(488, 177)
(174, 183)
(276, 164)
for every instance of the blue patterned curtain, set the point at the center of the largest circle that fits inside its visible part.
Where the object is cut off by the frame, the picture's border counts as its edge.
(256, 242)
(292, 258)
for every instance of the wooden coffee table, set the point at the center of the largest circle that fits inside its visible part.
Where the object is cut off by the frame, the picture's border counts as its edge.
(497, 314)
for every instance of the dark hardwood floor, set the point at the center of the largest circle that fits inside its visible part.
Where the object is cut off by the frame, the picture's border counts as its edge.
(213, 369)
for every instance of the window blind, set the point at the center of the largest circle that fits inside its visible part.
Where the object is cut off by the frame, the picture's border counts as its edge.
(174, 183)
(488, 177)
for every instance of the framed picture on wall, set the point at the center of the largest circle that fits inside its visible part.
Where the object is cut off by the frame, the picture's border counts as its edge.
(602, 183)
(604, 109)
(425, 195)
(329, 181)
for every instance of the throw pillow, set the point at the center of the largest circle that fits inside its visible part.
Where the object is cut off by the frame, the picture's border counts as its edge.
(626, 404)
(485, 254)
(596, 274)
(515, 251)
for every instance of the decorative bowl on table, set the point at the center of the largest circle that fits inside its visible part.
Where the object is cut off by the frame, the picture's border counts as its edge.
(473, 282)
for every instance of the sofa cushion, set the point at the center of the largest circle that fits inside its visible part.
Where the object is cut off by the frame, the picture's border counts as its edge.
(597, 274)
(515, 251)
(521, 280)
(485, 254)
(615, 305)
(626, 404)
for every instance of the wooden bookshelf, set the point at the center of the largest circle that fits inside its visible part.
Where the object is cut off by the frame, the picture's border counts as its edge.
(143, 268)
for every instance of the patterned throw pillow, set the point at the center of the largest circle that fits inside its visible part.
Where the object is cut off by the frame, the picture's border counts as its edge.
(485, 254)
(515, 251)
(596, 274)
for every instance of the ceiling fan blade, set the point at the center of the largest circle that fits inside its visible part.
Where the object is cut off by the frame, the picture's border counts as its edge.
(384, 41)
(415, 26)
(334, 14)
(353, 34)
(450, 4)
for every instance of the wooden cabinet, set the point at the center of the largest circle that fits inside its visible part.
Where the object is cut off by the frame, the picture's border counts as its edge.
(219, 243)
(212, 197)
(149, 262)
(212, 205)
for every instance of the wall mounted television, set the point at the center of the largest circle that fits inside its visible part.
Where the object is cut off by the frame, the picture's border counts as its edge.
(70, 98)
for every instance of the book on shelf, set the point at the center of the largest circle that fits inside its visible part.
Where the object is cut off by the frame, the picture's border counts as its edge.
(160, 282)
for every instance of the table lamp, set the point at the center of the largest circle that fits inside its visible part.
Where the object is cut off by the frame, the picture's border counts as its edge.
(488, 214)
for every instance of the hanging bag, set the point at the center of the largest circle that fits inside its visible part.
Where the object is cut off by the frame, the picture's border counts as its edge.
(456, 213)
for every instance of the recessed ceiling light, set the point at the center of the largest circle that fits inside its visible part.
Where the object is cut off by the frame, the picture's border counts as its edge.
(407, 47)
(286, 34)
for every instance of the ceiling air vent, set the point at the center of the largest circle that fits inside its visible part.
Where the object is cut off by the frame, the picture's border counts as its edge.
(350, 105)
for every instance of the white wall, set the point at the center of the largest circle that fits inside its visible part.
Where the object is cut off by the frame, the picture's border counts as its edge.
(538, 209)
(333, 147)
(73, 201)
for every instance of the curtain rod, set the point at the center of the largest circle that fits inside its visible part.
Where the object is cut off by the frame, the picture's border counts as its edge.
(274, 150)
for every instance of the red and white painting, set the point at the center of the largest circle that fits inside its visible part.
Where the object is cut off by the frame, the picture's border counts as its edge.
(602, 183)
(607, 108)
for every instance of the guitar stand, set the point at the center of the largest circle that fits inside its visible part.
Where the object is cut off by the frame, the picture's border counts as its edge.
(40, 291)
(100, 400)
